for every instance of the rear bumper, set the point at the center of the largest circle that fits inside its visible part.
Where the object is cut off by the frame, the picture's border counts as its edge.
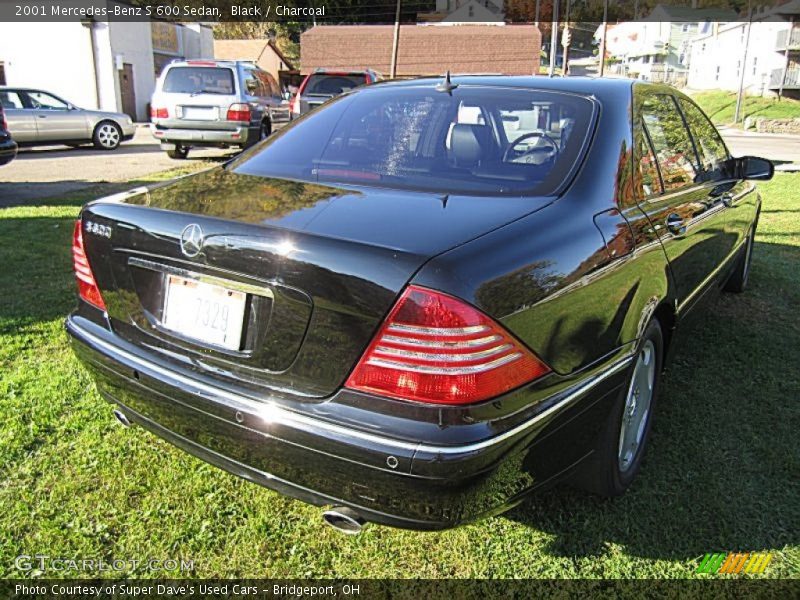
(203, 137)
(402, 483)
(8, 151)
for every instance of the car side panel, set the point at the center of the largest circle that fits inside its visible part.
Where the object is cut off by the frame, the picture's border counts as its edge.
(578, 279)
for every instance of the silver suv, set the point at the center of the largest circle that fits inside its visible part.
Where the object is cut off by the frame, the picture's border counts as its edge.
(219, 103)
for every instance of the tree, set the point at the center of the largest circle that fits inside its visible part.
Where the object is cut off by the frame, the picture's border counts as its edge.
(286, 35)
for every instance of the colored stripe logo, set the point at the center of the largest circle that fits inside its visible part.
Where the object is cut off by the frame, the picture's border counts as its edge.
(734, 563)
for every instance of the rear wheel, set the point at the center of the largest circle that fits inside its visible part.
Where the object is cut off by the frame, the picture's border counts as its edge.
(178, 152)
(107, 136)
(741, 272)
(619, 451)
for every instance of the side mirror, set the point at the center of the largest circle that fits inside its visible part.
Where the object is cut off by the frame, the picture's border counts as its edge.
(752, 167)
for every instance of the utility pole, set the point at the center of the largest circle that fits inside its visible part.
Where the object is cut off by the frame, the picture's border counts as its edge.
(604, 31)
(786, 57)
(395, 41)
(553, 39)
(740, 95)
(565, 41)
(536, 16)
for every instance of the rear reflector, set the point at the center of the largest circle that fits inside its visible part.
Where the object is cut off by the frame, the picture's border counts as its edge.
(87, 287)
(239, 112)
(437, 349)
(159, 113)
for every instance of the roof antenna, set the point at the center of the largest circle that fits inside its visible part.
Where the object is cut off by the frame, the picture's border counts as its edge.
(446, 85)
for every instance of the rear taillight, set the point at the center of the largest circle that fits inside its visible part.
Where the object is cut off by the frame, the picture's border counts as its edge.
(239, 112)
(87, 286)
(435, 348)
(159, 113)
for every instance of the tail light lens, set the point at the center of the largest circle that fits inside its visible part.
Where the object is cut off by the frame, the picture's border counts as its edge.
(159, 113)
(87, 286)
(239, 112)
(437, 349)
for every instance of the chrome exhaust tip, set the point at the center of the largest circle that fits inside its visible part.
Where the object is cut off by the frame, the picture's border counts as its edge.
(120, 416)
(344, 520)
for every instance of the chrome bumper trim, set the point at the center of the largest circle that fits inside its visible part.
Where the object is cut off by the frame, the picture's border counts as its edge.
(271, 412)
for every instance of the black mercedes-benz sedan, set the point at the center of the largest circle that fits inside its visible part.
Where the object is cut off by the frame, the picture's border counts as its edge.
(424, 300)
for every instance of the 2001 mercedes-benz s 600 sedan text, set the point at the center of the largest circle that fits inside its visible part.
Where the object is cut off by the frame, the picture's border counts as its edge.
(425, 299)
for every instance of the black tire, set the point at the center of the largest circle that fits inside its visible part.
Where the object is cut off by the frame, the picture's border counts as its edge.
(604, 473)
(737, 282)
(107, 135)
(178, 152)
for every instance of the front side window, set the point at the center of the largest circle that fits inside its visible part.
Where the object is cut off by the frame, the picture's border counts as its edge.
(713, 153)
(671, 141)
(475, 140)
(45, 101)
(199, 80)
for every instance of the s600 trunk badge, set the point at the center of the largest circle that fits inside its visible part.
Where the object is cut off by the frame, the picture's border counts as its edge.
(192, 240)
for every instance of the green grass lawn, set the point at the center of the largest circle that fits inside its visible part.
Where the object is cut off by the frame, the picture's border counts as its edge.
(721, 107)
(721, 473)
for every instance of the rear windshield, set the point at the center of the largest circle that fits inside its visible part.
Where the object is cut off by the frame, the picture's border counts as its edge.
(334, 85)
(199, 80)
(475, 140)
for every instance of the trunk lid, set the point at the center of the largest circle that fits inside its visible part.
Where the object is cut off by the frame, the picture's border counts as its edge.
(317, 267)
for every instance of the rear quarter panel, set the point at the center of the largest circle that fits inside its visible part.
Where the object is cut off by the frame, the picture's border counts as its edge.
(577, 280)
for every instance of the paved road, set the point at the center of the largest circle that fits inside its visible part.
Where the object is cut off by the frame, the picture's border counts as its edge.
(51, 171)
(44, 172)
(776, 147)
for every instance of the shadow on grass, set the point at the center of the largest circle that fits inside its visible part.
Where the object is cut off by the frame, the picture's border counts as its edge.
(721, 469)
(75, 192)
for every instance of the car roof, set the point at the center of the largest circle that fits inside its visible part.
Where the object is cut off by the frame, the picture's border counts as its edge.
(209, 62)
(605, 88)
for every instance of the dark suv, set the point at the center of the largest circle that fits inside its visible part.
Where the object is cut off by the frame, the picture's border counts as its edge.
(323, 84)
(8, 147)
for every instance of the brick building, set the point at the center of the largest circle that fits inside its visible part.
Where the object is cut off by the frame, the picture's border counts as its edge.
(424, 49)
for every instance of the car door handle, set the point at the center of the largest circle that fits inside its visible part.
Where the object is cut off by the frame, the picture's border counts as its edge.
(42, 116)
(675, 224)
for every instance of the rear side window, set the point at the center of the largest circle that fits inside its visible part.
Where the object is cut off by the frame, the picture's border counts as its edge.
(671, 142)
(199, 80)
(712, 150)
(332, 84)
(11, 100)
(651, 181)
(475, 140)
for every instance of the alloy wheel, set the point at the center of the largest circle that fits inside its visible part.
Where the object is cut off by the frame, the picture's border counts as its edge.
(637, 407)
(108, 136)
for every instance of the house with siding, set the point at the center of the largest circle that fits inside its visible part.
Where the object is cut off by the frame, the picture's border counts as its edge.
(771, 62)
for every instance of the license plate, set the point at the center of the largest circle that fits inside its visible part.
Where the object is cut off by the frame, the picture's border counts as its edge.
(199, 113)
(204, 312)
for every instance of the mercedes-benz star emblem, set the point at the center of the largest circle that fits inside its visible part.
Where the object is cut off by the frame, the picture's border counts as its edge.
(192, 240)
